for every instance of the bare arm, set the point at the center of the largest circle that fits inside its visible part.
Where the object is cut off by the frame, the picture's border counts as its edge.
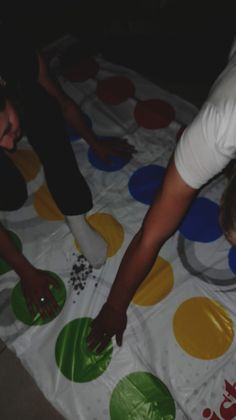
(161, 221)
(69, 108)
(74, 119)
(12, 255)
(35, 283)
(159, 224)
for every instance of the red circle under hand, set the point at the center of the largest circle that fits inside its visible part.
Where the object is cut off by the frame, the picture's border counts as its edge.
(115, 90)
(86, 69)
(154, 113)
(207, 413)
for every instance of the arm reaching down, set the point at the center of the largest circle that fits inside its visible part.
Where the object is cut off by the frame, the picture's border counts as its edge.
(74, 119)
(35, 283)
(159, 224)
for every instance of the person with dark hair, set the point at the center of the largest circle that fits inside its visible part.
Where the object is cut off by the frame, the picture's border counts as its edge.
(32, 103)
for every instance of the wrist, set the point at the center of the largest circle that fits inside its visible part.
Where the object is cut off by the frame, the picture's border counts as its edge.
(24, 269)
(116, 306)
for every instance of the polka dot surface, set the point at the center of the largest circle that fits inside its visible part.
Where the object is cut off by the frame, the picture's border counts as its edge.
(72, 134)
(208, 261)
(115, 164)
(110, 229)
(203, 328)
(201, 222)
(21, 310)
(86, 69)
(115, 90)
(74, 359)
(4, 266)
(27, 162)
(45, 205)
(153, 113)
(145, 182)
(156, 286)
(140, 396)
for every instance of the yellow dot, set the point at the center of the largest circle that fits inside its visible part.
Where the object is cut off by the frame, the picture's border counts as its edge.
(203, 328)
(157, 284)
(45, 205)
(27, 162)
(110, 229)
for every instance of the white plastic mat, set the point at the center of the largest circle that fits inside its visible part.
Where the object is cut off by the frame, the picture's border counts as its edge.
(178, 357)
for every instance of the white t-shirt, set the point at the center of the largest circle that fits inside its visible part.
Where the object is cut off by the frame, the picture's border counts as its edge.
(209, 142)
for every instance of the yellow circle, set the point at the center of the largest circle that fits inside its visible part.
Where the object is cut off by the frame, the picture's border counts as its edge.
(110, 229)
(45, 205)
(27, 162)
(203, 328)
(156, 285)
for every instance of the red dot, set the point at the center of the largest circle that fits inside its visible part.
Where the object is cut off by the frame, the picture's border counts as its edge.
(86, 69)
(153, 113)
(115, 90)
(206, 413)
(180, 132)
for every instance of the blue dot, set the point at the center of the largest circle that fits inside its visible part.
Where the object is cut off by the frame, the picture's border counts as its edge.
(145, 182)
(72, 134)
(232, 259)
(201, 223)
(116, 162)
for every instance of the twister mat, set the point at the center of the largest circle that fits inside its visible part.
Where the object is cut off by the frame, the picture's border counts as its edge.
(178, 358)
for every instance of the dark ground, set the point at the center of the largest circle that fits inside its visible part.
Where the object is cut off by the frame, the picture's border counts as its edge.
(182, 45)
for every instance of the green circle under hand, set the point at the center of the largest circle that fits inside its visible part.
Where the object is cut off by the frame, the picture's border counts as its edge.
(20, 307)
(73, 357)
(4, 266)
(140, 396)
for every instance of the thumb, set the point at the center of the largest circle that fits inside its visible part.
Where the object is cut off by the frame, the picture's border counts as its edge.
(54, 282)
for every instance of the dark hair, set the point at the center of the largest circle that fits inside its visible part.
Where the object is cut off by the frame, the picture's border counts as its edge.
(228, 211)
(3, 98)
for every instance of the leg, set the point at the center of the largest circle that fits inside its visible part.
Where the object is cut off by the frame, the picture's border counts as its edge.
(46, 132)
(13, 191)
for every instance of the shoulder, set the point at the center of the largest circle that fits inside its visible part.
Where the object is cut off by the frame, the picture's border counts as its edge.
(206, 146)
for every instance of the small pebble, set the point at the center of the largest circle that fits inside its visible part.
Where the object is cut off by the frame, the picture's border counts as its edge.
(81, 270)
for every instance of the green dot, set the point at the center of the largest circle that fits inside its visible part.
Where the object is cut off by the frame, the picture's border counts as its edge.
(140, 396)
(4, 266)
(74, 359)
(20, 307)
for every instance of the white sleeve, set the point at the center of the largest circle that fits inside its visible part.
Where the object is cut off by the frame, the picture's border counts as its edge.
(197, 156)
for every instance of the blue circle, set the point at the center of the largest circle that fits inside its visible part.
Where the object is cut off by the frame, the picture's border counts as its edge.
(201, 223)
(116, 162)
(145, 182)
(72, 134)
(232, 259)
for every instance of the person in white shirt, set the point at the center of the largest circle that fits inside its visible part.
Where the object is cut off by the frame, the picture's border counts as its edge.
(206, 147)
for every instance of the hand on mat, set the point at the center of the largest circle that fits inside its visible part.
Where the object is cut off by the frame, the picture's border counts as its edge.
(106, 148)
(109, 322)
(38, 295)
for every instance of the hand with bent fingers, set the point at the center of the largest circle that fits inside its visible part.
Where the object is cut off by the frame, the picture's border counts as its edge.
(109, 322)
(39, 298)
(106, 148)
